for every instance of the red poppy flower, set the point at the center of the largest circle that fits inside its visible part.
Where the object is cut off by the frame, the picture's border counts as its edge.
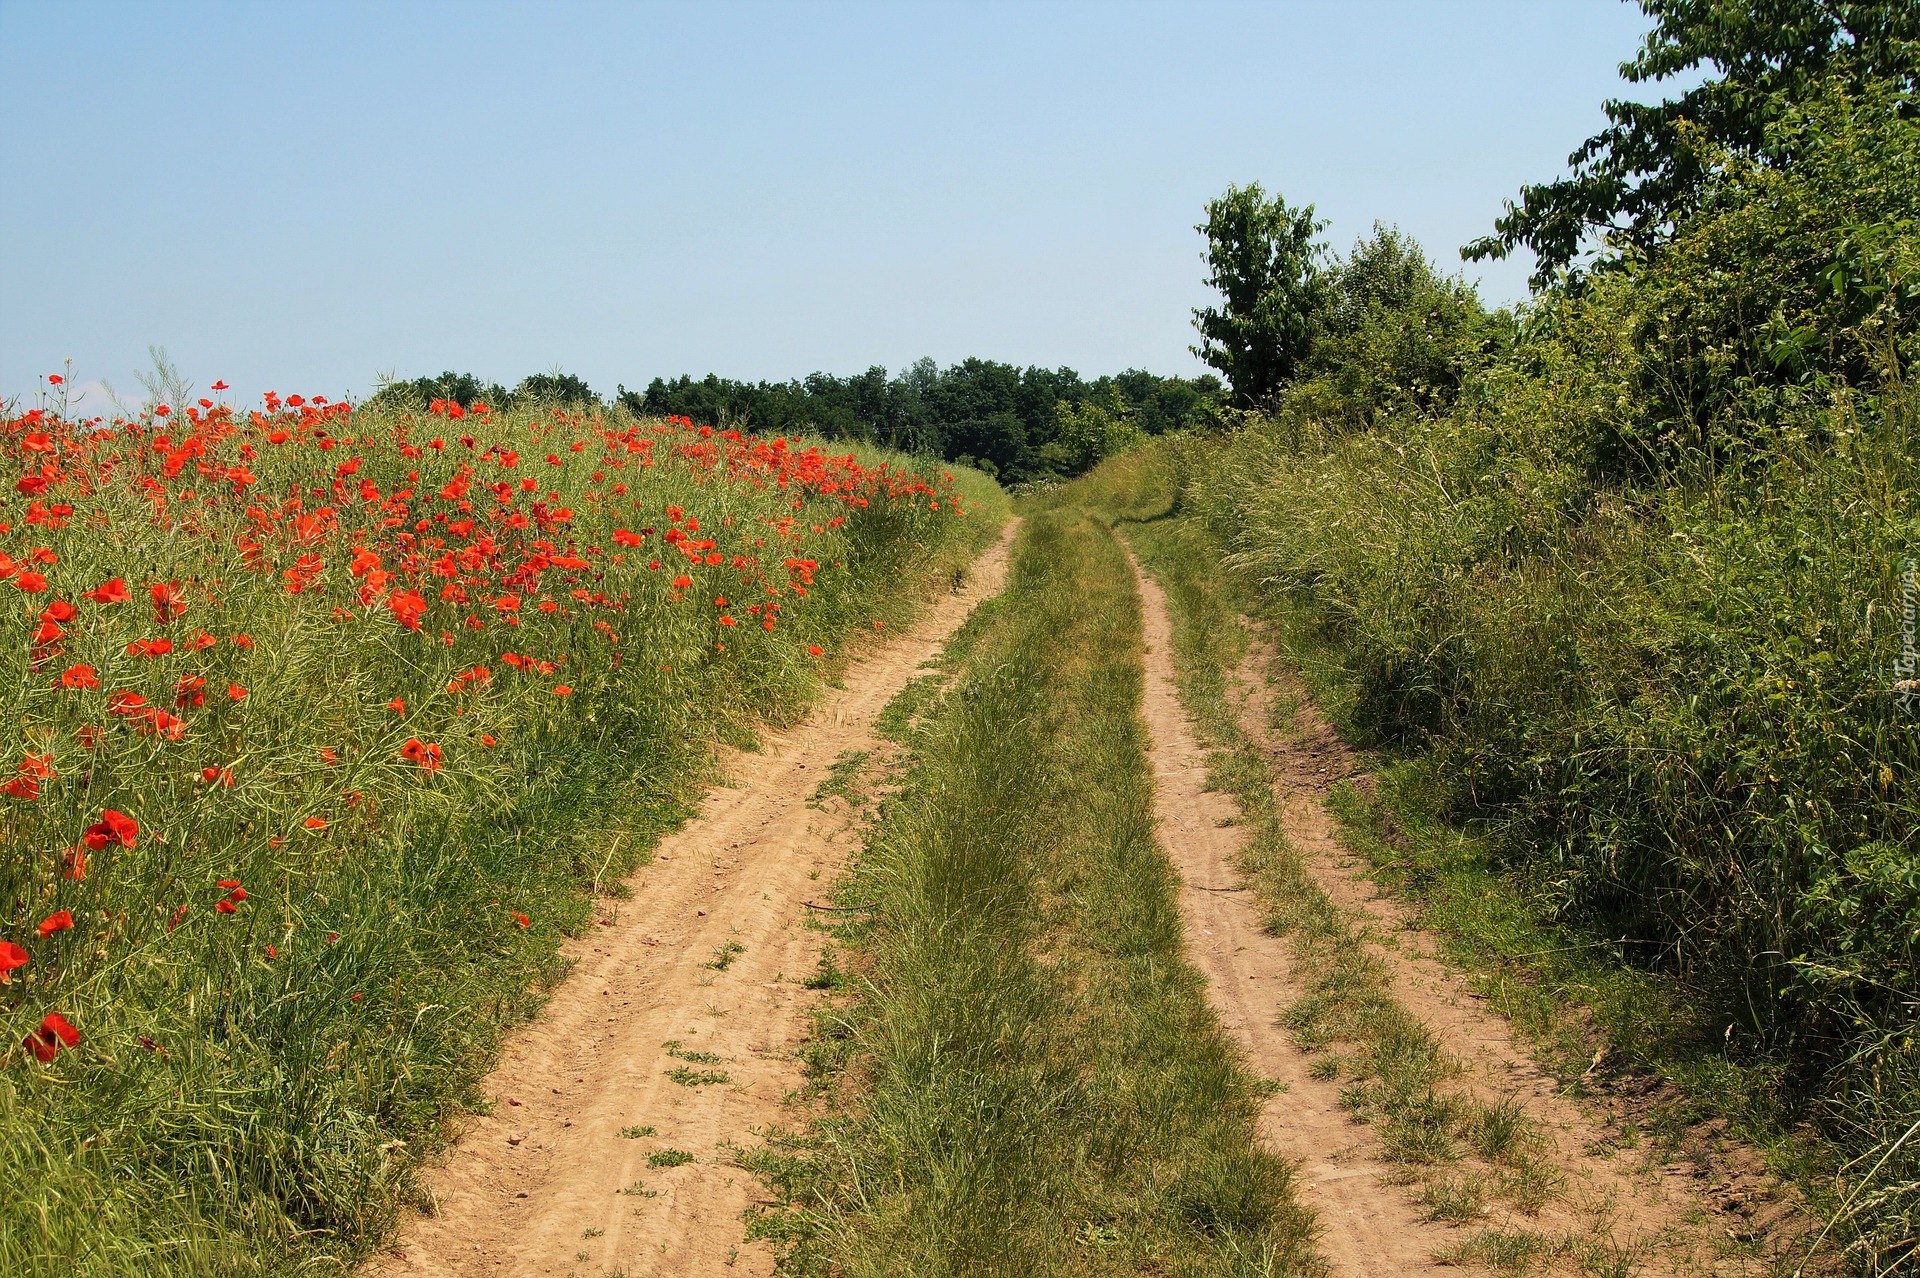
(21, 788)
(815, 650)
(682, 582)
(31, 582)
(169, 600)
(73, 864)
(54, 379)
(523, 920)
(11, 956)
(46, 1041)
(562, 690)
(219, 386)
(60, 610)
(398, 705)
(424, 753)
(58, 921)
(150, 647)
(226, 907)
(236, 693)
(728, 621)
(243, 641)
(112, 592)
(315, 823)
(80, 677)
(112, 827)
(486, 739)
(238, 894)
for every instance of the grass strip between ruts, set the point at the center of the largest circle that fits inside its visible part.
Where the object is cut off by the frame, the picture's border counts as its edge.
(1024, 1076)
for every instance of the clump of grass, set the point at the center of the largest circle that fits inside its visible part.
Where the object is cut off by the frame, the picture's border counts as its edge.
(842, 780)
(723, 957)
(1507, 1251)
(668, 1158)
(1452, 1199)
(908, 707)
(636, 1133)
(828, 976)
(698, 1077)
(673, 1048)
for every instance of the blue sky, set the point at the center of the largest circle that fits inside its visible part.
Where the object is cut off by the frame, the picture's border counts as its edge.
(301, 196)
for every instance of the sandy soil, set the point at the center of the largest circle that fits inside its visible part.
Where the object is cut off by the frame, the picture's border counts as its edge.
(557, 1178)
(1370, 1226)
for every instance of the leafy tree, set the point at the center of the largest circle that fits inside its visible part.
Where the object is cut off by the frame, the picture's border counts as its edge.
(554, 387)
(1089, 432)
(1394, 333)
(1635, 180)
(1265, 262)
(463, 389)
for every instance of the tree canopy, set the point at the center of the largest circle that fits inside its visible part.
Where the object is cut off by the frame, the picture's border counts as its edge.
(1635, 180)
(1263, 259)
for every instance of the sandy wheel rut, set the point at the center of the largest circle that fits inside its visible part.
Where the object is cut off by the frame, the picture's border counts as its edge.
(1369, 1222)
(673, 1039)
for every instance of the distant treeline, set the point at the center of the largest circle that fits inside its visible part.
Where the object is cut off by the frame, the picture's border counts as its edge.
(1017, 424)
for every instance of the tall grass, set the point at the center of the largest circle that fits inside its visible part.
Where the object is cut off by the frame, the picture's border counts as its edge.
(417, 684)
(1030, 1080)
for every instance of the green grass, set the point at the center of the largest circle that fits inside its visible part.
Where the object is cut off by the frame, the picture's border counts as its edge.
(842, 780)
(1029, 1080)
(668, 1158)
(723, 956)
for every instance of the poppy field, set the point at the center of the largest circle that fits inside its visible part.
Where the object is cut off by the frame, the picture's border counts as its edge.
(325, 725)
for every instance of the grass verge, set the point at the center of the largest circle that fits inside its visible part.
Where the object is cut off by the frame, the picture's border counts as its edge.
(1024, 1077)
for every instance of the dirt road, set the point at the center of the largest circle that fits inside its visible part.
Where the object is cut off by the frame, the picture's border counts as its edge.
(674, 1036)
(1369, 1223)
